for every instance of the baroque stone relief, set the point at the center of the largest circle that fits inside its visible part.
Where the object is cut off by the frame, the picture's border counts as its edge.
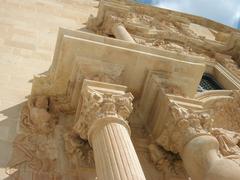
(35, 147)
(44, 140)
(185, 125)
(166, 31)
(226, 112)
(78, 151)
(168, 163)
(98, 105)
(220, 121)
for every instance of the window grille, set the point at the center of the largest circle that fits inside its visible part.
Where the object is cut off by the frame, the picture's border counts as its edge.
(208, 82)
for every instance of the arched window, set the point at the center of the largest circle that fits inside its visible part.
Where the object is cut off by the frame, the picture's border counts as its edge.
(208, 82)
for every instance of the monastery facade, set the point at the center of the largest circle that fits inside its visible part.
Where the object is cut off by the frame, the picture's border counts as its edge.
(138, 93)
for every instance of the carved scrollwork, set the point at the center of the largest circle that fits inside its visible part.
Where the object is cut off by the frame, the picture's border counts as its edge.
(98, 105)
(168, 163)
(226, 112)
(78, 150)
(36, 146)
(229, 142)
(185, 125)
(36, 116)
(38, 152)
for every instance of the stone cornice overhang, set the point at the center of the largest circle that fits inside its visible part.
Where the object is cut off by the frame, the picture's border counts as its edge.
(123, 10)
(121, 7)
(136, 60)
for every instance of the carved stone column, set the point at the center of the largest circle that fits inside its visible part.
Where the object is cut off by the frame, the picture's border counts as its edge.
(120, 32)
(102, 122)
(191, 135)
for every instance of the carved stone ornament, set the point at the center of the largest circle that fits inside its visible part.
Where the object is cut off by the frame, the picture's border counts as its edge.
(168, 163)
(78, 150)
(97, 106)
(183, 127)
(229, 144)
(172, 89)
(36, 116)
(226, 112)
(35, 147)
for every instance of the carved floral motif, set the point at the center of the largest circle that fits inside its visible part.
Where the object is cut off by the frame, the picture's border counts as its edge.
(97, 105)
(36, 145)
(185, 125)
(36, 148)
(229, 142)
(226, 112)
(168, 163)
(222, 123)
(78, 150)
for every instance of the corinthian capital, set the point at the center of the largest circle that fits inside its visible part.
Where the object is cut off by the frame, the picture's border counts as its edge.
(184, 125)
(102, 103)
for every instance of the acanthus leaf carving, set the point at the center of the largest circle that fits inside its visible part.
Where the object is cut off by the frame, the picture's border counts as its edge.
(168, 163)
(98, 105)
(78, 150)
(184, 126)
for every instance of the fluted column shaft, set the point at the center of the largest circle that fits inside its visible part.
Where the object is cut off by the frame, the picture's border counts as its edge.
(120, 32)
(114, 154)
(103, 122)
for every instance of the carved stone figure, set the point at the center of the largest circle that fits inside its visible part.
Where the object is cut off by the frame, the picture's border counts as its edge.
(36, 116)
(36, 147)
(228, 143)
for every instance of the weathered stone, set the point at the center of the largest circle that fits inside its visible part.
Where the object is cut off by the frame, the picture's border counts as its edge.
(81, 121)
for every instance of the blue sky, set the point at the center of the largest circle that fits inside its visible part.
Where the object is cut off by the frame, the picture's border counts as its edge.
(224, 11)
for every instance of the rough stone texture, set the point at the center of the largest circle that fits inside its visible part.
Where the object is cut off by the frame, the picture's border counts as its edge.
(28, 32)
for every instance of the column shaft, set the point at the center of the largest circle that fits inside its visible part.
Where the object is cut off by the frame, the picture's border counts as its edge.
(120, 32)
(114, 154)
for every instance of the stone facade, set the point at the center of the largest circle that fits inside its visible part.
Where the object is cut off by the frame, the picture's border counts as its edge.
(120, 101)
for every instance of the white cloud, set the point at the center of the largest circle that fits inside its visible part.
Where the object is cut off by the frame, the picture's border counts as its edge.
(224, 11)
